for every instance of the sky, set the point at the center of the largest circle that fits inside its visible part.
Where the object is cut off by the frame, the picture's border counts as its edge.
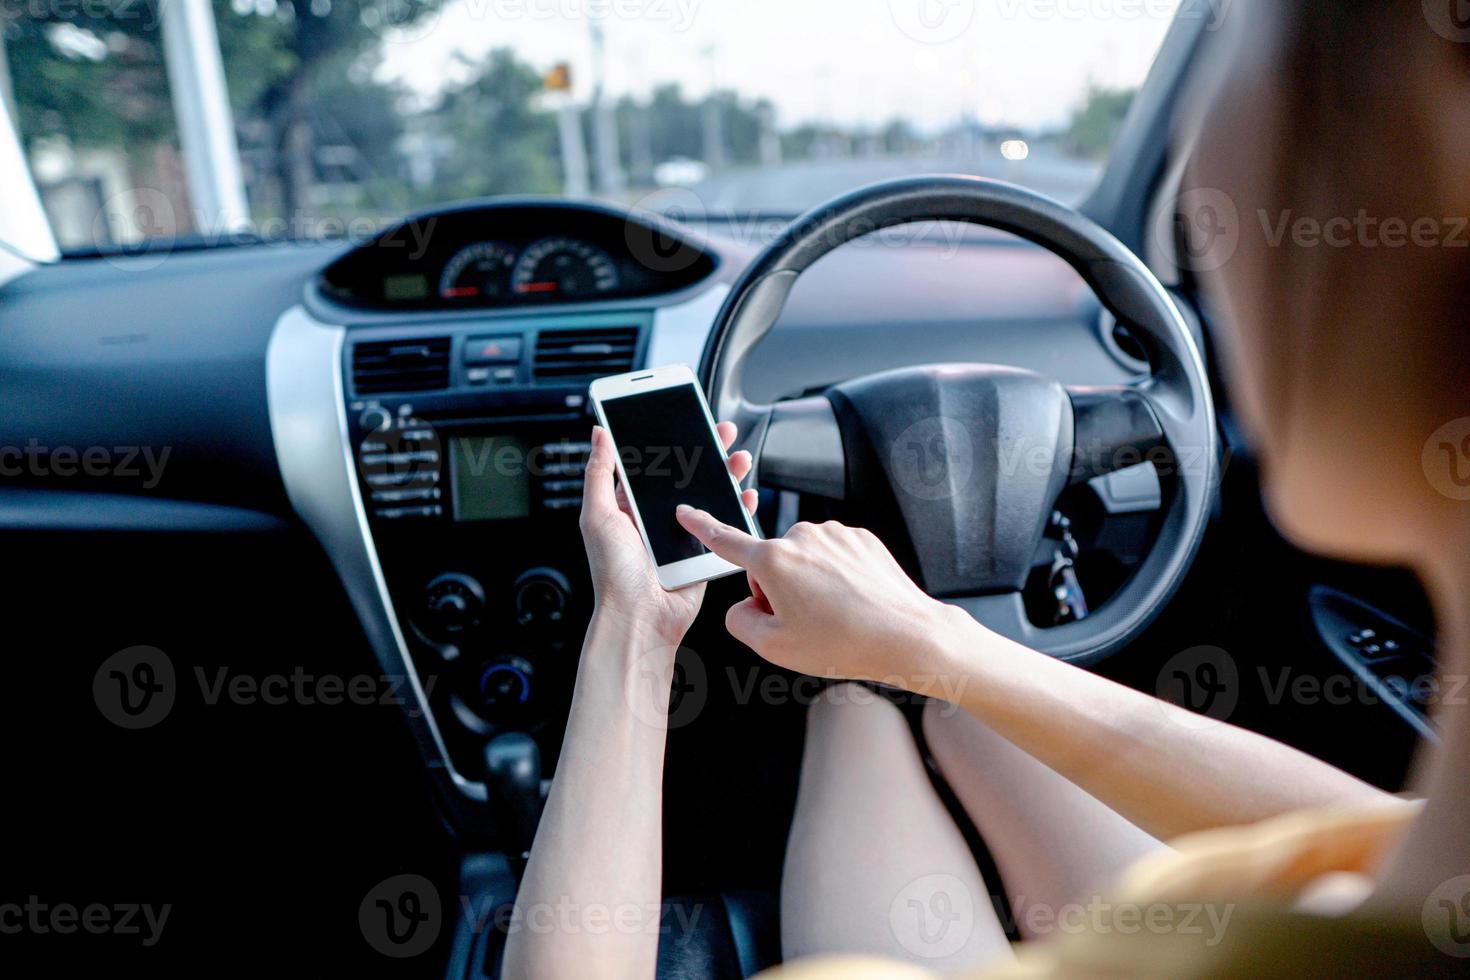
(1018, 62)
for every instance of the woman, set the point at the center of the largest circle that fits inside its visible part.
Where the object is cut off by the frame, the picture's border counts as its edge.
(1348, 357)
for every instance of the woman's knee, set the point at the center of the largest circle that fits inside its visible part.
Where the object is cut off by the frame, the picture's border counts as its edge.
(850, 705)
(954, 736)
(852, 729)
(940, 725)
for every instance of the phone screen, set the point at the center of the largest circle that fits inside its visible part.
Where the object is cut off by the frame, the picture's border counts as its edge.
(671, 458)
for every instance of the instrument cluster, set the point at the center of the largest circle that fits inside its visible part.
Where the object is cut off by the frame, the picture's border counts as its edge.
(515, 254)
(555, 267)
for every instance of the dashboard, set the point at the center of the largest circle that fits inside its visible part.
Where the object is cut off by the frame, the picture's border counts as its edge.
(433, 445)
(463, 345)
(510, 255)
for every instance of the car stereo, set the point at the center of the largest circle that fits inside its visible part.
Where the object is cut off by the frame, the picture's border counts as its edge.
(418, 469)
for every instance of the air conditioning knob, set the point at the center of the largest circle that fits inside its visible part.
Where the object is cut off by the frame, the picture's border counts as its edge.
(450, 607)
(375, 418)
(541, 596)
(453, 604)
(506, 684)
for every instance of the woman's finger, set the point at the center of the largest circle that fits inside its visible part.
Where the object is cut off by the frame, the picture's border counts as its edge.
(598, 497)
(740, 464)
(751, 624)
(730, 543)
(759, 595)
(750, 498)
(728, 432)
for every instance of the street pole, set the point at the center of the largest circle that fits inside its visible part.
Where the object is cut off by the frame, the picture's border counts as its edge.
(573, 150)
(714, 122)
(770, 144)
(610, 178)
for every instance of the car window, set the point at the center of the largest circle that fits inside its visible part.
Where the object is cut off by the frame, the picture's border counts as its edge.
(343, 114)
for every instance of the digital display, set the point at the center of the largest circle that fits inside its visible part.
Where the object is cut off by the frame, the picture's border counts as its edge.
(671, 458)
(492, 479)
(405, 287)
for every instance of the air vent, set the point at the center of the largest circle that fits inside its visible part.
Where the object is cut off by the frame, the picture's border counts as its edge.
(581, 355)
(401, 365)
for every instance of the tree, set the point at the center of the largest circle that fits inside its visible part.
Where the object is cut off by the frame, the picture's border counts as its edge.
(499, 142)
(278, 64)
(742, 127)
(898, 137)
(1094, 126)
(815, 141)
(675, 126)
(95, 82)
(669, 126)
(98, 79)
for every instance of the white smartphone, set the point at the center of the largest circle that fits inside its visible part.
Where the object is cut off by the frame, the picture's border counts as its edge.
(669, 453)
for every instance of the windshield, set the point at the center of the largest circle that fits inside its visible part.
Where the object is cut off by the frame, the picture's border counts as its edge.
(319, 118)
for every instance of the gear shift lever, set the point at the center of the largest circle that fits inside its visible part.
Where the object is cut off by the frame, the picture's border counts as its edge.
(513, 778)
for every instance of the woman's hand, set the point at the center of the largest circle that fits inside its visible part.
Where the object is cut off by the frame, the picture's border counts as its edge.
(827, 600)
(623, 577)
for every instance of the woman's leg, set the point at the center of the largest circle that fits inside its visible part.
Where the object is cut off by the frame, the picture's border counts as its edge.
(1053, 843)
(874, 863)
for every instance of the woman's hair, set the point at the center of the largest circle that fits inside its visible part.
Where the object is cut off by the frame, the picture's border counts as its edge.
(1361, 139)
(1352, 349)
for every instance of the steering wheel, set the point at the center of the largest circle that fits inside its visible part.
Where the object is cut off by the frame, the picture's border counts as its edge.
(968, 459)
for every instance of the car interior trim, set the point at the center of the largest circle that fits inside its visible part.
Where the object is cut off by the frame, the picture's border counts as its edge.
(304, 387)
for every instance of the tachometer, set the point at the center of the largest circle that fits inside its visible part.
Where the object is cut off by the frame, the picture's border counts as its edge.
(564, 267)
(478, 271)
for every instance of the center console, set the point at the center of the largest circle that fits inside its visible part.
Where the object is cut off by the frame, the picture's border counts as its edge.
(428, 406)
(469, 442)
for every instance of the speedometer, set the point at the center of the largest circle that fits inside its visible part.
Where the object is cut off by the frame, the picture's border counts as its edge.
(565, 267)
(478, 271)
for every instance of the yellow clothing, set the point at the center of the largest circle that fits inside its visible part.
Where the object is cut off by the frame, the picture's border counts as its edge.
(1256, 882)
(1275, 859)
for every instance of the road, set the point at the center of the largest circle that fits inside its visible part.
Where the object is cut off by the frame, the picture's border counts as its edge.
(795, 187)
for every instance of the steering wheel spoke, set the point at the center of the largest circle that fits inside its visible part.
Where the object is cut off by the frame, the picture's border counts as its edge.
(1115, 427)
(802, 449)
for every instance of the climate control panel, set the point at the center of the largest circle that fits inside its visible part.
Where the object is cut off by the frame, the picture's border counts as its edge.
(503, 661)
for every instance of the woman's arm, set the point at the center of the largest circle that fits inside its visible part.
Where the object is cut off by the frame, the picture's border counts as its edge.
(831, 601)
(588, 905)
(1166, 769)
